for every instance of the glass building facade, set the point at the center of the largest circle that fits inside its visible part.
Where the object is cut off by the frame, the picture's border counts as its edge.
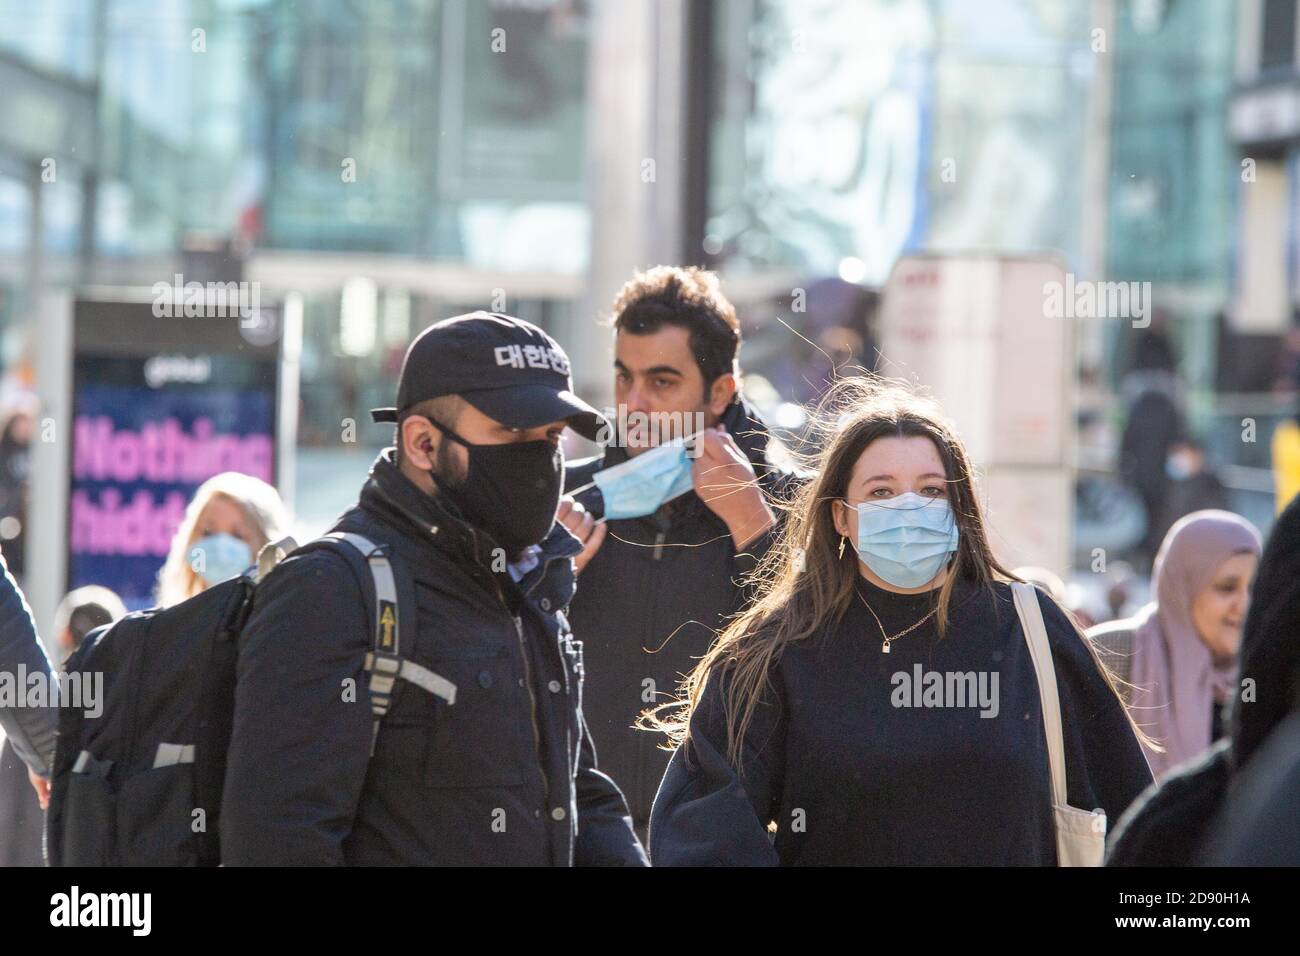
(394, 163)
(848, 133)
(390, 136)
(1172, 191)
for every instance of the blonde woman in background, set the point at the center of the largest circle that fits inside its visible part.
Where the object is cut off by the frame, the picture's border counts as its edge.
(228, 521)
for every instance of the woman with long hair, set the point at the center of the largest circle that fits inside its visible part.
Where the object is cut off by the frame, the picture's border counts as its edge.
(877, 704)
(229, 519)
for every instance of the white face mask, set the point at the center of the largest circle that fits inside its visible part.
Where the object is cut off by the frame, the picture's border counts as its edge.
(640, 485)
(220, 557)
(906, 539)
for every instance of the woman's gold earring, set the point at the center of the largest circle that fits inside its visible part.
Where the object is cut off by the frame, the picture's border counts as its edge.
(842, 540)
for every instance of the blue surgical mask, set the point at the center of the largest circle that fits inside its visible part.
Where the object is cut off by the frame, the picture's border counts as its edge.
(1178, 467)
(906, 539)
(640, 485)
(220, 557)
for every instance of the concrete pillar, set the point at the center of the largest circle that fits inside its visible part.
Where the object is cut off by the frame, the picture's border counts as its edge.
(636, 165)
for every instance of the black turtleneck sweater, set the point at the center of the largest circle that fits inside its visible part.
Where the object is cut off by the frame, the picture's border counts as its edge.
(865, 758)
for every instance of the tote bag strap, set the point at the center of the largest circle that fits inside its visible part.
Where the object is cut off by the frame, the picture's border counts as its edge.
(1035, 631)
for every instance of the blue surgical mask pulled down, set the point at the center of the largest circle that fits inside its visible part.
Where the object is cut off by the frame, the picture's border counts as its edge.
(906, 539)
(219, 557)
(638, 486)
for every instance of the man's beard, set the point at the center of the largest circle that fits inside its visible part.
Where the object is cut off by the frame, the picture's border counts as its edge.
(448, 471)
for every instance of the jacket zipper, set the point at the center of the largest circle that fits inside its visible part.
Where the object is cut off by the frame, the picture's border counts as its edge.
(568, 733)
(532, 706)
(659, 545)
(523, 653)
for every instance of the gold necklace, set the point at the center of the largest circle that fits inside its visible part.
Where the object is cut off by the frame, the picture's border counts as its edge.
(884, 648)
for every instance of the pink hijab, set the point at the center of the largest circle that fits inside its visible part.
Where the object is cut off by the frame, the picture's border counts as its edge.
(1176, 679)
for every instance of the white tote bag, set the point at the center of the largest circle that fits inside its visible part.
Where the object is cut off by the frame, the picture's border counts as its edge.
(1080, 834)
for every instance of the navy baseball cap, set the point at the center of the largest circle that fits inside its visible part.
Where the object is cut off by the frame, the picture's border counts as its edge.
(509, 369)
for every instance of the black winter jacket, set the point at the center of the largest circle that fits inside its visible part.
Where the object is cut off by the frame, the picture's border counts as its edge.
(505, 775)
(850, 773)
(652, 600)
(1257, 824)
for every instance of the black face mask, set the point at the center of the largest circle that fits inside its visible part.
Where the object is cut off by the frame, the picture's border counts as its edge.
(511, 491)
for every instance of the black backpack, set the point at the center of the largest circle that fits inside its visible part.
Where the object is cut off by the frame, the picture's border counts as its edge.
(140, 783)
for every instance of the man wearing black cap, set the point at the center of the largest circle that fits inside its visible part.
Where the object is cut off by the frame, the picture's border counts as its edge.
(494, 765)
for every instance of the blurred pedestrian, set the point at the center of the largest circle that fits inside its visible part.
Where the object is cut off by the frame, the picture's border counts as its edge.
(1177, 657)
(834, 326)
(22, 813)
(1122, 584)
(1155, 421)
(1193, 485)
(1144, 449)
(15, 473)
(29, 730)
(660, 576)
(229, 519)
(1169, 823)
(801, 720)
(80, 612)
(22, 817)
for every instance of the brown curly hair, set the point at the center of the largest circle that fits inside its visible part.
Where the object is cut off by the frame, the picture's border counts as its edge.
(689, 298)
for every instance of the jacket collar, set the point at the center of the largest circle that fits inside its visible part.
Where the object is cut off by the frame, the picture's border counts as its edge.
(429, 517)
(553, 567)
(746, 426)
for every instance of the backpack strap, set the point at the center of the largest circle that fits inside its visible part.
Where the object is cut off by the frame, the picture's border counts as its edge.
(272, 553)
(389, 591)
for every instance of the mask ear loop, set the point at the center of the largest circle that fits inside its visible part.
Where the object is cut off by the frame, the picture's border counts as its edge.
(446, 430)
(844, 539)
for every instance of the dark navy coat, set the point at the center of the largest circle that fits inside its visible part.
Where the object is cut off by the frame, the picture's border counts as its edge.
(652, 600)
(505, 775)
(840, 768)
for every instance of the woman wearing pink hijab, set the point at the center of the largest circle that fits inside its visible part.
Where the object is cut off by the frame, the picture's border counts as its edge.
(1178, 656)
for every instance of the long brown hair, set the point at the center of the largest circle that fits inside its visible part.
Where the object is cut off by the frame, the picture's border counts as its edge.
(805, 583)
